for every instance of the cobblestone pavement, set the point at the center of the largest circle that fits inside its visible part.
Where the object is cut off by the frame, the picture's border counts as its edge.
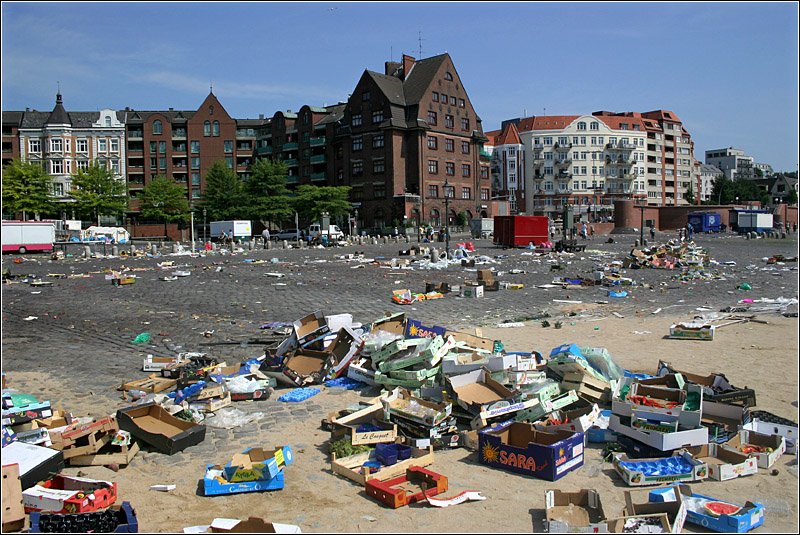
(89, 324)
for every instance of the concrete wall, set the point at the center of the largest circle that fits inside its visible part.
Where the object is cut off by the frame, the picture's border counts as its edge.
(627, 215)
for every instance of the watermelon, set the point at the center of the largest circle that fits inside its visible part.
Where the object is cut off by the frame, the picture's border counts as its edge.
(721, 508)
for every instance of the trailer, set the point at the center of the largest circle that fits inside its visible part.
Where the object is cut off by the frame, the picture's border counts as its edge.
(233, 229)
(28, 236)
(704, 221)
(521, 230)
(482, 227)
(753, 221)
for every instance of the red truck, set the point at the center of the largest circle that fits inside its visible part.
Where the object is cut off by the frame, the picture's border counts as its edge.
(520, 230)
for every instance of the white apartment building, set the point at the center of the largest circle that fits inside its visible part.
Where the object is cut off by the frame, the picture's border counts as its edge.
(734, 163)
(66, 142)
(708, 174)
(507, 167)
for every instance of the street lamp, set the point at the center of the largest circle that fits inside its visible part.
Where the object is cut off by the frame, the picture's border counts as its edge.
(447, 217)
(205, 227)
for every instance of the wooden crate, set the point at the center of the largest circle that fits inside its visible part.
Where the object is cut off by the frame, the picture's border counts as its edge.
(151, 385)
(13, 511)
(122, 457)
(350, 467)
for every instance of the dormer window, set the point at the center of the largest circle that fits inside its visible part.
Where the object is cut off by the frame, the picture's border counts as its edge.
(108, 120)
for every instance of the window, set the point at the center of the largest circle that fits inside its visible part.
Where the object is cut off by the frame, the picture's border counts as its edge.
(448, 121)
(108, 120)
(433, 142)
(435, 96)
(449, 191)
(452, 100)
(157, 128)
(465, 147)
(195, 147)
(450, 168)
(548, 140)
(357, 168)
(377, 141)
(462, 103)
(207, 128)
(484, 194)
(228, 146)
(431, 117)
(379, 166)
(229, 161)
(448, 76)
(583, 169)
(114, 145)
(548, 170)
(379, 191)
(195, 193)
(377, 117)
(484, 172)
(433, 191)
(575, 140)
(357, 120)
(623, 126)
(465, 125)
(68, 166)
(365, 96)
(465, 169)
(466, 193)
(358, 143)
(56, 145)
(594, 126)
(56, 167)
(153, 146)
(195, 179)
(162, 147)
(102, 145)
(58, 189)
(449, 145)
(67, 145)
(195, 162)
(216, 128)
(433, 167)
(162, 163)
(82, 164)
(34, 145)
(581, 126)
(81, 145)
(444, 98)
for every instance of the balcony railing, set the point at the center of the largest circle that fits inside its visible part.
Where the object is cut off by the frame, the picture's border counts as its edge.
(485, 155)
(177, 134)
(317, 141)
(320, 158)
(317, 176)
(291, 162)
(290, 146)
(562, 148)
(264, 150)
(292, 179)
(135, 134)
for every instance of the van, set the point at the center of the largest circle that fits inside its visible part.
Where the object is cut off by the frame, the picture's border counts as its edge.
(334, 233)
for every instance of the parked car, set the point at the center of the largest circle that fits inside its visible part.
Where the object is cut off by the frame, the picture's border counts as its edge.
(288, 234)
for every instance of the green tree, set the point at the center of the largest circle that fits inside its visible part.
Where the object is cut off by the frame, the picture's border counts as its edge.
(98, 192)
(689, 195)
(224, 196)
(27, 189)
(267, 195)
(164, 200)
(311, 201)
(791, 198)
(723, 191)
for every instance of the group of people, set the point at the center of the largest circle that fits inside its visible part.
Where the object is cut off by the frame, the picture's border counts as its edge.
(428, 235)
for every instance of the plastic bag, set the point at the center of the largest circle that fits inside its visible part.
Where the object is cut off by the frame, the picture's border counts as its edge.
(142, 338)
(229, 418)
(240, 384)
(374, 342)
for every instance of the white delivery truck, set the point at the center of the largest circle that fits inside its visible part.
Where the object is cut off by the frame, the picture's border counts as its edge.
(26, 236)
(332, 233)
(238, 230)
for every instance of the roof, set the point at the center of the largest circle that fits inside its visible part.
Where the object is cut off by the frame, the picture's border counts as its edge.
(706, 169)
(391, 87)
(420, 77)
(492, 136)
(317, 109)
(171, 115)
(335, 113)
(661, 115)
(59, 114)
(614, 121)
(510, 136)
(546, 122)
(13, 118)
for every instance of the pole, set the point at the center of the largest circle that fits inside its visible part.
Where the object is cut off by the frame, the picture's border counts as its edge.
(641, 228)
(205, 238)
(191, 215)
(447, 218)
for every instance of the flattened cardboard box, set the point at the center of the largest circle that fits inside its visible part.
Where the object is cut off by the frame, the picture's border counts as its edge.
(252, 525)
(152, 424)
(36, 463)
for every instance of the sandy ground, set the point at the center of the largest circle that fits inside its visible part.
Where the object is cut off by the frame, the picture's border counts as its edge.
(763, 357)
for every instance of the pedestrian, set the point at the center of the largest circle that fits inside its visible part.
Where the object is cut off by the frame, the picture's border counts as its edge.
(689, 232)
(265, 235)
(395, 232)
(652, 233)
(584, 230)
(591, 230)
(794, 227)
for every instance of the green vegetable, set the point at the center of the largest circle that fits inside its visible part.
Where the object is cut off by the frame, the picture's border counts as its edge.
(344, 448)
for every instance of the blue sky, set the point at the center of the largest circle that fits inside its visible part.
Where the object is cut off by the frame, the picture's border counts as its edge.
(728, 70)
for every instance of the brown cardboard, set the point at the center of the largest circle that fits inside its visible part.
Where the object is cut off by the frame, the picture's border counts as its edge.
(152, 424)
(254, 525)
(306, 327)
(580, 511)
(394, 324)
(472, 341)
(13, 512)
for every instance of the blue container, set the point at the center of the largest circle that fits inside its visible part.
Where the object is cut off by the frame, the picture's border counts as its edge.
(704, 221)
(125, 518)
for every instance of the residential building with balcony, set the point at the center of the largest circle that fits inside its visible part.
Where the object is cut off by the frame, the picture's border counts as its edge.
(11, 123)
(708, 174)
(402, 135)
(508, 167)
(734, 163)
(64, 142)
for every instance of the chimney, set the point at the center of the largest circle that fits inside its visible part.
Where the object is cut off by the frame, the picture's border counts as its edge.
(392, 68)
(172, 109)
(260, 115)
(27, 109)
(408, 62)
(127, 108)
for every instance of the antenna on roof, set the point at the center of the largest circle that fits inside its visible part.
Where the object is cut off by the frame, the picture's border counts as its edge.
(420, 44)
(211, 86)
(59, 86)
(391, 53)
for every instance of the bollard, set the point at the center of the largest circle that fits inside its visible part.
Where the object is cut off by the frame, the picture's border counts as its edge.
(251, 245)
(114, 250)
(747, 236)
(269, 245)
(154, 249)
(783, 235)
(174, 248)
(434, 254)
(636, 243)
(133, 249)
(87, 251)
(148, 246)
(407, 239)
(285, 244)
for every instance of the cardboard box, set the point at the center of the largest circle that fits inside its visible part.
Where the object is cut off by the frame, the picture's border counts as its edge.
(658, 440)
(372, 415)
(617, 525)
(471, 292)
(252, 525)
(344, 349)
(675, 510)
(725, 463)
(351, 466)
(401, 403)
(152, 424)
(310, 327)
(156, 364)
(678, 415)
(13, 511)
(359, 370)
(406, 346)
(477, 392)
(632, 471)
(411, 487)
(306, 366)
(769, 424)
(574, 512)
(580, 420)
(84, 436)
(20, 415)
(253, 470)
(36, 463)
(212, 404)
(64, 494)
(394, 324)
(427, 355)
(519, 447)
(692, 331)
(716, 386)
(723, 420)
(587, 387)
(746, 438)
(749, 517)
(472, 341)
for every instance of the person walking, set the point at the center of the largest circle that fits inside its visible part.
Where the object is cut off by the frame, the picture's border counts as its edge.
(265, 235)
(652, 233)
(689, 231)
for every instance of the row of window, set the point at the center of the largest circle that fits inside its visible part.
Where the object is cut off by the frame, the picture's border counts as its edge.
(450, 192)
(449, 121)
(450, 168)
(593, 140)
(64, 167)
(437, 97)
(449, 145)
(358, 142)
(81, 145)
(377, 118)
(584, 155)
(378, 167)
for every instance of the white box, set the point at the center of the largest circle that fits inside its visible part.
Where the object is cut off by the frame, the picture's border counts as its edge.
(359, 372)
(661, 441)
(765, 460)
(472, 291)
(726, 463)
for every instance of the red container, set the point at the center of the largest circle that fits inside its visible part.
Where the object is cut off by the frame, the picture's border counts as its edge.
(520, 230)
